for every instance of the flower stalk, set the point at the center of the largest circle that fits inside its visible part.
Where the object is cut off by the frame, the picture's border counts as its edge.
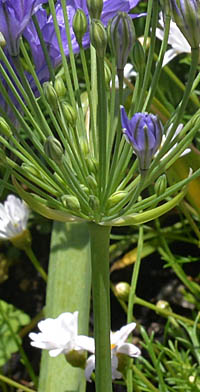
(99, 242)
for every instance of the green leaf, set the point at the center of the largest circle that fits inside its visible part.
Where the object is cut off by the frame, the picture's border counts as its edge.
(69, 285)
(13, 319)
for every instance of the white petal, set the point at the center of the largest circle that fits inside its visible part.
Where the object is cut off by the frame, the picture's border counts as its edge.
(119, 337)
(90, 366)
(85, 343)
(129, 349)
(169, 56)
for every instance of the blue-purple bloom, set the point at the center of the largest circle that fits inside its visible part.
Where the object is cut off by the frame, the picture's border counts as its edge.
(186, 14)
(15, 15)
(144, 131)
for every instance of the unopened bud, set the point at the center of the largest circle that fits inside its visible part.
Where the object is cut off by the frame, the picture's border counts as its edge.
(138, 56)
(2, 40)
(122, 37)
(91, 164)
(71, 202)
(160, 185)
(186, 14)
(80, 25)
(163, 305)
(95, 8)
(92, 182)
(30, 169)
(107, 73)
(60, 88)
(115, 198)
(94, 202)
(98, 37)
(69, 113)
(122, 290)
(76, 358)
(53, 149)
(50, 95)
(5, 128)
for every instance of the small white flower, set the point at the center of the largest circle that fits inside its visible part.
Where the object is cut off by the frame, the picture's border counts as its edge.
(176, 133)
(58, 335)
(176, 39)
(118, 346)
(14, 215)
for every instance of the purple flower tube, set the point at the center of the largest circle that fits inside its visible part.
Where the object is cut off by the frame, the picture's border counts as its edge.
(144, 132)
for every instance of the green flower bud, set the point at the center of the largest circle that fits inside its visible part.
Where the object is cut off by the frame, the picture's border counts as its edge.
(95, 8)
(59, 87)
(138, 56)
(91, 164)
(94, 202)
(122, 290)
(5, 128)
(2, 41)
(50, 95)
(22, 241)
(71, 202)
(80, 25)
(92, 182)
(107, 73)
(76, 358)
(115, 198)
(163, 305)
(98, 37)
(122, 37)
(160, 185)
(31, 169)
(53, 149)
(84, 146)
(84, 188)
(69, 113)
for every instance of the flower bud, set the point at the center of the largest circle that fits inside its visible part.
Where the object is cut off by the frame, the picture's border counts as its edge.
(122, 37)
(122, 290)
(163, 305)
(98, 37)
(59, 87)
(94, 202)
(144, 131)
(50, 95)
(138, 56)
(31, 169)
(91, 164)
(80, 25)
(53, 149)
(69, 113)
(92, 182)
(160, 185)
(71, 202)
(5, 128)
(2, 41)
(76, 358)
(115, 198)
(95, 8)
(186, 14)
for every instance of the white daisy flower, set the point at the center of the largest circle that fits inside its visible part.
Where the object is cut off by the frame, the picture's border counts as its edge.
(14, 215)
(176, 39)
(118, 346)
(58, 335)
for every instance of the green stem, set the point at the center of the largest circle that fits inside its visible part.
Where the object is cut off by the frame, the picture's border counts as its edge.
(129, 378)
(144, 379)
(36, 263)
(163, 312)
(15, 384)
(99, 242)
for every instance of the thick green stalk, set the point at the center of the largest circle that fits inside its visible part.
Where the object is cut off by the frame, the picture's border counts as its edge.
(99, 242)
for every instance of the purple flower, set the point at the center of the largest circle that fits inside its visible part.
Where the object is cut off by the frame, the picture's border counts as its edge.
(144, 131)
(15, 15)
(187, 17)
